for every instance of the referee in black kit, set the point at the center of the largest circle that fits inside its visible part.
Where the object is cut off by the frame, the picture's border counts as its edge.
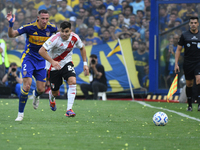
(190, 40)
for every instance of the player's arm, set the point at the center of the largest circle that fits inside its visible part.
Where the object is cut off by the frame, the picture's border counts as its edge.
(177, 55)
(85, 67)
(44, 54)
(97, 73)
(11, 19)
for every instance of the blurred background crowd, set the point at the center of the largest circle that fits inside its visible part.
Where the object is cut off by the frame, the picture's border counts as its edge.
(102, 21)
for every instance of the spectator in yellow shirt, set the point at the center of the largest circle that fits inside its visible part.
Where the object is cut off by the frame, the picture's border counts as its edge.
(56, 15)
(38, 3)
(72, 3)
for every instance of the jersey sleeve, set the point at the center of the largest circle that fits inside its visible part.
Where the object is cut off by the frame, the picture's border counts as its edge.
(22, 30)
(181, 40)
(51, 42)
(79, 43)
(54, 28)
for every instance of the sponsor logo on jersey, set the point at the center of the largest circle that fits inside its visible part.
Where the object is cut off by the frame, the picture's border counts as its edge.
(61, 44)
(198, 45)
(194, 38)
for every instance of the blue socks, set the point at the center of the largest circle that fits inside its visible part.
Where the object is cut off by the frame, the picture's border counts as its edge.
(22, 100)
(36, 93)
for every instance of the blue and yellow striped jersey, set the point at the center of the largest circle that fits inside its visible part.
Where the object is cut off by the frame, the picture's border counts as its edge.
(35, 37)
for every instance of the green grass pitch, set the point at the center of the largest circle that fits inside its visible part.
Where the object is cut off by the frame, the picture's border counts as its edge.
(98, 125)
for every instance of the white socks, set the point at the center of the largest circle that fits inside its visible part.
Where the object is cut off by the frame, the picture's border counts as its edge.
(51, 97)
(71, 96)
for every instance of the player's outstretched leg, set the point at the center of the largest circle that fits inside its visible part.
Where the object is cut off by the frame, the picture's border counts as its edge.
(71, 96)
(22, 102)
(70, 113)
(20, 116)
(52, 101)
(35, 99)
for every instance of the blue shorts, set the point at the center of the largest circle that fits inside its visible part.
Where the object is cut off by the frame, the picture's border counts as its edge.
(33, 67)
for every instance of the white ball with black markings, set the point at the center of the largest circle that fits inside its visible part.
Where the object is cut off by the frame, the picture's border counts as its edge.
(160, 119)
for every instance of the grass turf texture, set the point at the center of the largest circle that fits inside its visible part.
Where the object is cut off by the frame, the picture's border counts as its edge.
(98, 125)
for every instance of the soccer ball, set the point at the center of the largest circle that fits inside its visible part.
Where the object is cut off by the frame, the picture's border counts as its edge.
(160, 119)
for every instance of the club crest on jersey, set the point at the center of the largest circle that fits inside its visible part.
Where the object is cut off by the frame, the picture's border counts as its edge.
(198, 45)
(47, 33)
(52, 85)
(72, 42)
(188, 44)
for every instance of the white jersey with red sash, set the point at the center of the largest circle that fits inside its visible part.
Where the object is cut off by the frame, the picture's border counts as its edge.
(60, 50)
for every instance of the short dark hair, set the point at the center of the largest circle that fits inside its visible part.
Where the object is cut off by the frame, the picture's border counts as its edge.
(44, 11)
(13, 64)
(102, 6)
(106, 31)
(128, 6)
(194, 17)
(65, 24)
(93, 56)
(140, 11)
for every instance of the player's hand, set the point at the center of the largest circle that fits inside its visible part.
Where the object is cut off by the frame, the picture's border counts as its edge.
(56, 65)
(176, 68)
(86, 70)
(9, 17)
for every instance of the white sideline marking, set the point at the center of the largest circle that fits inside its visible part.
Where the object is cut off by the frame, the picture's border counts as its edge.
(178, 113)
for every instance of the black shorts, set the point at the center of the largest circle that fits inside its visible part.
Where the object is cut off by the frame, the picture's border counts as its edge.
(56, 76)
(191, 71)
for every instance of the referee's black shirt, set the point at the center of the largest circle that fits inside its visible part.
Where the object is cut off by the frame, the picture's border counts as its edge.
(191, 43)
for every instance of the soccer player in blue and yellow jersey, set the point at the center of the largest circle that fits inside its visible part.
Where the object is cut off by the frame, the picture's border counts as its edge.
(37, 32)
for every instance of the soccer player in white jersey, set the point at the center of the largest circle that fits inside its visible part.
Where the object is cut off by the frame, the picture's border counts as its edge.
(60, 65)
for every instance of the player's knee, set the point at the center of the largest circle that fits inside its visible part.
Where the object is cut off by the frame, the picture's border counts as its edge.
(26, 87)
(72, 82)
(41, 90)
(55, 93)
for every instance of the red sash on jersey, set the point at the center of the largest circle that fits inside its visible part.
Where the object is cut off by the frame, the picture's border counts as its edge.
(64, 54)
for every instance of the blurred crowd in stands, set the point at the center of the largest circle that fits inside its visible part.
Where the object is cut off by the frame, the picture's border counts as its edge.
(99, 21)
